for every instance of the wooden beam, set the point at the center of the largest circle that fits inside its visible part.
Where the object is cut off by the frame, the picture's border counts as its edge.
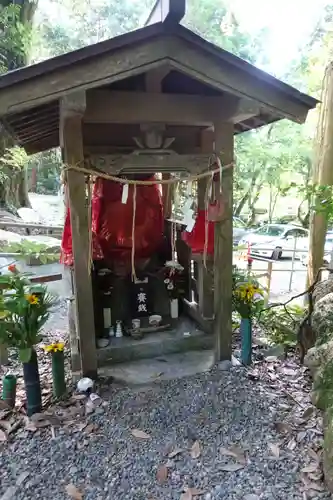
(195, 62)
(167, 11)
(223, 248)
(71, 129)
(105, 106)
(107, 68)
(157, 161)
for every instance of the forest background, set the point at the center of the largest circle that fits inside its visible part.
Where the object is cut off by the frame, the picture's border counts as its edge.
(288, 39)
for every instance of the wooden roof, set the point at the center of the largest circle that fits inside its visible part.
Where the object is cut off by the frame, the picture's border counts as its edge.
(29, 97)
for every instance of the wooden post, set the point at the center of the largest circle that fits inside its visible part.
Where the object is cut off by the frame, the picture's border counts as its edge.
(223, 248)
(72, 109)
(322, 175)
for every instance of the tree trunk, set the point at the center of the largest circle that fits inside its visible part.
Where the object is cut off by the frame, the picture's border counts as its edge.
(15, 192)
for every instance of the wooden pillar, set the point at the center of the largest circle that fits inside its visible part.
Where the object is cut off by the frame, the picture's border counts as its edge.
(72, 109)
(322, 175)
(223, 248)
(205, 279)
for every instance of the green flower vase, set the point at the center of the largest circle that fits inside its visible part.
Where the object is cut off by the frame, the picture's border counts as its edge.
(9, 390)
(32, 385)
(246, 336)
(58, 374)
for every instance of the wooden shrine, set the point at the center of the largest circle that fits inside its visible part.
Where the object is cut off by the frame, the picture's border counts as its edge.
(159, 99)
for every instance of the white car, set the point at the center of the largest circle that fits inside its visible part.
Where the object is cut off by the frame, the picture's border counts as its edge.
(274, 240)
(327, 251)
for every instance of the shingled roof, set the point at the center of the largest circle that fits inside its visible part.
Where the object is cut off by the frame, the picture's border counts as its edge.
(29, 97)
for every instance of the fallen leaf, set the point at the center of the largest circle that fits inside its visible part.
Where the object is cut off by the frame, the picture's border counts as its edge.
(282, 427)
(162, 474)
(271, 359)
(195, 492)
(40, 420)
(195, 450)
(31, 427)
(310, 468)
(274, 449)
(315, 456)
(301, 435)
(231, 467)
(311, 485)
(187, 495)
(308, 413)
(5, 424)
(79, 397)
(175, 452)
(288, 371)
(89, 429)
(234, 452)
(3, 436)
(316, 477)
(22, 477)
(3, 405)
(73, 492)
(291, 445)
(139, 434)
(251, 497)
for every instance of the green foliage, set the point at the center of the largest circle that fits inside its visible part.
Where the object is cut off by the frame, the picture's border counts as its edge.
(14, 36)
(29, 249)
(281, 323)
(24, 309)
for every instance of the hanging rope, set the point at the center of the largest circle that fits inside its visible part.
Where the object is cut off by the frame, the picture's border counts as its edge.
(93, 174)
(207, 197)
(133, 235)
(190, 178)
(90, 242)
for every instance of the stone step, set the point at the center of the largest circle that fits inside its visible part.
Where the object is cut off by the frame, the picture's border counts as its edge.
(153, 345)
(170, 366)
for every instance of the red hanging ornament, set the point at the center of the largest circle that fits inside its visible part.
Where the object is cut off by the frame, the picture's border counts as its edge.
(216, 210)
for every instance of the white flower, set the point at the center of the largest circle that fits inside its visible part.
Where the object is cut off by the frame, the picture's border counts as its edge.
(170, 286)
(166, 281)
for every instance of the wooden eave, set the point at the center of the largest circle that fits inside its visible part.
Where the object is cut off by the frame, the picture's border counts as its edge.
(29, 97)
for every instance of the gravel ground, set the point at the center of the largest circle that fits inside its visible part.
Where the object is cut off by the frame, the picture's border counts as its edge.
(195, 416)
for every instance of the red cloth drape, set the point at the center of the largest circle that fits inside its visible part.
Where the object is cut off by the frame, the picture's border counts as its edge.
(112, 223)
(196, 238)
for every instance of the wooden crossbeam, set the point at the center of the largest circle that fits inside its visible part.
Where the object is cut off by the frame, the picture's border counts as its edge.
(104, 106)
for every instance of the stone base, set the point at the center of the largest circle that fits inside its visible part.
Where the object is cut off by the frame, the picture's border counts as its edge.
(185, 336)
(148, 371)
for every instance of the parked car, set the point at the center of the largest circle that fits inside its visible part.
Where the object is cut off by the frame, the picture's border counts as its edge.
(239, 230)
(275, 240)
(327, 251)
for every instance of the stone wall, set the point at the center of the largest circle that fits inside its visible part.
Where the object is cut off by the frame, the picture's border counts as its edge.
(319, 360)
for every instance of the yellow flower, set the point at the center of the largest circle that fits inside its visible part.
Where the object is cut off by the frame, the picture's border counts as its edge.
(248, 292)
(55, 347)
(32, 299)
(59, 347)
